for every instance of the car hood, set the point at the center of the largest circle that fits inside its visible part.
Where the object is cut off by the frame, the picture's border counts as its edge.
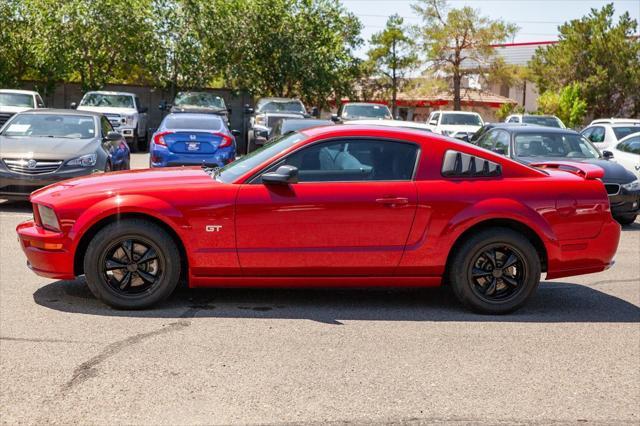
(43, 148)
(108, 110)
(613, 172)
(143, 181)
(459, 128)
(13, 109)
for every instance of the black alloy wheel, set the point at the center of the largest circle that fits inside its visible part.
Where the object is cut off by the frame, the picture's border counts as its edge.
(132, 264)
(498, 272)
(494, 271)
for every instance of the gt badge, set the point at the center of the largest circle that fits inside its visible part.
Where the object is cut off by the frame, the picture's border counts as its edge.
(213, 228)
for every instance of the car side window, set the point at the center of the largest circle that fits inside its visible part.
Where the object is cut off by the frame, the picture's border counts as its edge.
(597, 134)
(501, 144)
(487, 140)
(39, 101)
(354, 160)
(631, 145)
(514, 120)
(435, 117)
(105, 125)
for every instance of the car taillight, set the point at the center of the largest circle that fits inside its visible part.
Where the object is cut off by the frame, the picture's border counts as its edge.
(226, 140)
(158, 138)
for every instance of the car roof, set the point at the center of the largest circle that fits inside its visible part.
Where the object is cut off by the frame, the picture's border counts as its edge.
(539, 129)
(457, 112)
(19, 92)
(194, 115)
(274, 99)
(616, 125)
(614, 121)
(364, 103)
(389, 123)
(107, 92)
(40, 111)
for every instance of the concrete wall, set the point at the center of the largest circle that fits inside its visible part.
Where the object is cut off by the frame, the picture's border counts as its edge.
(66, 93)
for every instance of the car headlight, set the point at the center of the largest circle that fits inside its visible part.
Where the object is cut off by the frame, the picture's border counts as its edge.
(88, 160)
(48, 218)
(129, 120)
(632, 186)
(260, 119)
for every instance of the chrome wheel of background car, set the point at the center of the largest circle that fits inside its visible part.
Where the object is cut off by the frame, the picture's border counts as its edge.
(132, 266)
(498, 272)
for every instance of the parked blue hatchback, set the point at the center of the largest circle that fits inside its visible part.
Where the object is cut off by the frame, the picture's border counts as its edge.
(192, 139)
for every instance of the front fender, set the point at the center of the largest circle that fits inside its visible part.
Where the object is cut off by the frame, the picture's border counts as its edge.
(122, 204)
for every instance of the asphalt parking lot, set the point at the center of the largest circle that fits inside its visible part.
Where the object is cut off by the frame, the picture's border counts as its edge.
(314, 356)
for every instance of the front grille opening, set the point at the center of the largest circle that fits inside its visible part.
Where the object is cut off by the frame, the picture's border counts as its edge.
(31, 166)
(612, 188)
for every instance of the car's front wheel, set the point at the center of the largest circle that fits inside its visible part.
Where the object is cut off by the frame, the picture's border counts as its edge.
(626, 220)
(495, 271)
(132, 264)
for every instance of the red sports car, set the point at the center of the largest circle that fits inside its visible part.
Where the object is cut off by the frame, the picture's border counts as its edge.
(351, 205)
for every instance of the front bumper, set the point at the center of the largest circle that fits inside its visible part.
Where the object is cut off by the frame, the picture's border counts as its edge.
(19, 186)
(47, 252)
(625, 203)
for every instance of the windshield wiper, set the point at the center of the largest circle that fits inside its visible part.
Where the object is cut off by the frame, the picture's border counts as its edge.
(214, 172)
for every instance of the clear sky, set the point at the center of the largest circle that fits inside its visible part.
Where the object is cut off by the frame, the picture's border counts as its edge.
(538, 19)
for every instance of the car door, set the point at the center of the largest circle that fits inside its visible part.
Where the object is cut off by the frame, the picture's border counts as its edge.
(349, 214)
(627, 153)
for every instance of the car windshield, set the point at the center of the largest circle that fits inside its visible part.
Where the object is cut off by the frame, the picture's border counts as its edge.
(541, 120)
(282, 106)
(622, 132)
(51, 125)
(460, 119)
(206, 122)
(554, 145)
(105, 100)
(380, 112)
(16, 100)
(232, 171)
(199, 100)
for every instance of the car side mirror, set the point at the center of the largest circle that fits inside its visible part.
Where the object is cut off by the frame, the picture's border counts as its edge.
(73, 105)
(162, 105)
(283, 175)
(235, 133)
(433, 123)
(113, 136)
(463, 138)
(335, 118)
(607, 155)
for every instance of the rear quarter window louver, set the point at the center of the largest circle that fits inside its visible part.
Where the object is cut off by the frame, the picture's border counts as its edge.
(458, 164)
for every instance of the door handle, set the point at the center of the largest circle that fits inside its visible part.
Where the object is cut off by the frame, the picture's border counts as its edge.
(393, 201)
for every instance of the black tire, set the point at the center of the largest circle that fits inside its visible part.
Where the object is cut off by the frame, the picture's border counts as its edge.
(478, 287)
(134, 146)
(251, 142)
(149, 282)
(625, 220)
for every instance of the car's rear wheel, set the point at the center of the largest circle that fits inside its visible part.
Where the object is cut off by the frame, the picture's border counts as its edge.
(495, 271)
(626, 220)
(132, 264)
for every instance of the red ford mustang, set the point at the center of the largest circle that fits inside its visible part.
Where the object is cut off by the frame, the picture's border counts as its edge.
(331, 206)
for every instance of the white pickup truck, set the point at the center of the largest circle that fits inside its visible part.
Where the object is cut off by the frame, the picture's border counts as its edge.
(15, 101)
(124, 111)
(457, 124)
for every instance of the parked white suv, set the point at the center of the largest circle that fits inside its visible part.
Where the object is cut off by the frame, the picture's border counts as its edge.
(627, 153)
(457, 124)
(15, 101)
(540, 120)
(605, 135)
(124, 111)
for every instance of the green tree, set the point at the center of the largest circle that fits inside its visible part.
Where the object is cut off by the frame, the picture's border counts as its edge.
(604, 58)
(567, 104)
(393, 56)
(301, 48)
(105, 40)
(458, 41)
